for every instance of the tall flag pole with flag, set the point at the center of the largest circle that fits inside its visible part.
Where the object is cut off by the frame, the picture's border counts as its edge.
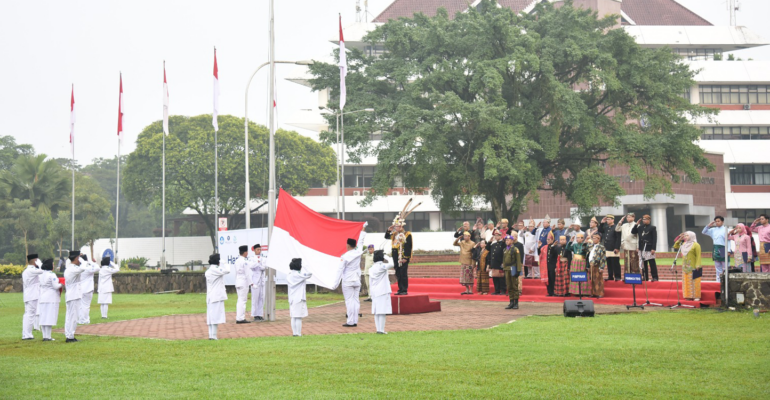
(72, 145)
(214, 122)
(343, 99)
(120, 139)
(165, 132)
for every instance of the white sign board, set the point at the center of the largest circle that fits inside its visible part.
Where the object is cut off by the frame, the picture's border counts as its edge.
(229, 241)
(222, 224)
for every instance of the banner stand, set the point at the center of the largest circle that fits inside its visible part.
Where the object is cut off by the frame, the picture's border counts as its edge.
(633, 280)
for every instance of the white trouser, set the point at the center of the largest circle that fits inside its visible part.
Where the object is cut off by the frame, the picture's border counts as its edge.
(535, 272)
(71, 318)
(85, 308)
(240, 308)
(213, 331)
(37, 319)
(720, 267)
(257, 300)
(46, 331)
(352, 303)
(30, 312)
(296, 326)
(379, 322)
(104, 308)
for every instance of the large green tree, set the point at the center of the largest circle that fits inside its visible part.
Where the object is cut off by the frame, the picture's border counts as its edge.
(493, 105)
(9, 151)
(190, 166)
(93, 219)
(38, 179)
(30, 228)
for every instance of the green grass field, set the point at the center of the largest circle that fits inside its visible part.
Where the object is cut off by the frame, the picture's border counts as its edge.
(664, 354)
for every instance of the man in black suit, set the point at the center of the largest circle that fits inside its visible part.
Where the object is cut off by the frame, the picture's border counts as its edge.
(648, 238)
(611, 241)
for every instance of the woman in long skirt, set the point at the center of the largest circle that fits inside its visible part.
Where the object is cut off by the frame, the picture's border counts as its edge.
(597, 261)
(561, 287)
(380, 289)
(481, 268)
(466, 261)
(742, 247)
(297, 299)
(578, 264)
(50, 297)
(105, 285)
(691, 269)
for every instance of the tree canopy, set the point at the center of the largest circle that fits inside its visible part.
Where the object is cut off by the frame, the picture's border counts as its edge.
(493, 105)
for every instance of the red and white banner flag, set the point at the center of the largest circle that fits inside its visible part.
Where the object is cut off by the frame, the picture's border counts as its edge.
(72, 122)
(216, 93)
(318, 240)
(120, 110)
(343, 69)
(165, 101)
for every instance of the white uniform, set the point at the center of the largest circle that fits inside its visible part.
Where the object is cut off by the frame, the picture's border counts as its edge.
(351, 279)
(257, 266)
(106, 287)
(242, 284)
(530, 249)
(215, 297)
(297, 300)
(87, 288)
(31, 280)
(50, 298)
(380, 289)
(72, 297)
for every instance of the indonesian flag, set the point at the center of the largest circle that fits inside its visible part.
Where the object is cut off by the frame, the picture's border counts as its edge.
(343, 68)
(72, 122)
(215, 114)
(120, 110)
(165, 101)
(318, 240)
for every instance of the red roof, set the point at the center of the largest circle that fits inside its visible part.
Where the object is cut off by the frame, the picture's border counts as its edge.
(642, 12)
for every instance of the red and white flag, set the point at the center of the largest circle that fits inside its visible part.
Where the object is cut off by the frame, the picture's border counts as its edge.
(72, 122)
(120, 110)
(165, 101)
(318, 240)
(343, 69)
(216, 93)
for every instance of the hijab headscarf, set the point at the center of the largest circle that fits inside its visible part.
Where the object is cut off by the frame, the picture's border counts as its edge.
(689, 241)
(741, 229)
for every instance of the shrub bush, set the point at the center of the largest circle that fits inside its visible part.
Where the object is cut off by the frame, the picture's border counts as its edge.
(10, 269)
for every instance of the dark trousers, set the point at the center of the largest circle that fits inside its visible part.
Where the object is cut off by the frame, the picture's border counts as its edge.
(402, 277)
(613, 268)
(653, 267)
(499, 284)
(551, 278)
(512, 282)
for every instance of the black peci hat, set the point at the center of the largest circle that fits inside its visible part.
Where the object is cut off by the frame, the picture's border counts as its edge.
(214, 259)
(47, 265)
(243, 249)
(352, 242)
(106, 261)
(31, 257)
(296, 264)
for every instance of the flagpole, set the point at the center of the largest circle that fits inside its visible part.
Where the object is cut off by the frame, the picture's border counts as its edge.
(117, 198)
(342, 163)
(72, 139)
(216, 163)
(270, 286)
(163, 208)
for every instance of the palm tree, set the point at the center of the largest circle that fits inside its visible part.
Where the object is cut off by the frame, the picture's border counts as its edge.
(43, 182)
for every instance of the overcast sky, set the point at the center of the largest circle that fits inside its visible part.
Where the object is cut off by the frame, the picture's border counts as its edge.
(48, 45)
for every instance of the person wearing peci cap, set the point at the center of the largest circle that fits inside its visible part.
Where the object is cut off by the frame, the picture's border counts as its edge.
(242, 284)
(629, 243)
(350, 268)
(215, 295)
(297, 295)
(50, 298)
(87, 289)
(105, 284)
(258, 267)
(31, 281)
(611, 242)
(74, 295)
(466, 246)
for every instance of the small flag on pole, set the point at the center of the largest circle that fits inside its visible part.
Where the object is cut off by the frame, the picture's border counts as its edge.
(165, 101)
(216, 93)
(343, 69)
(120, 110)
(72, 122)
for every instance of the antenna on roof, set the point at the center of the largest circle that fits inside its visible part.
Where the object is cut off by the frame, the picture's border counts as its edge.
(358, 11)
(734, 6)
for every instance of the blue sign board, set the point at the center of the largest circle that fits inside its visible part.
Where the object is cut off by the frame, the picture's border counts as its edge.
(110, 254)
(578, 276)
(633, 279)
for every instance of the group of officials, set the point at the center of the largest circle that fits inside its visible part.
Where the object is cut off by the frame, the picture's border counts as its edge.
(42, 294)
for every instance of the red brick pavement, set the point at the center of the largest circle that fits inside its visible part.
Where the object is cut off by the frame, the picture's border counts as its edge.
(328, 319)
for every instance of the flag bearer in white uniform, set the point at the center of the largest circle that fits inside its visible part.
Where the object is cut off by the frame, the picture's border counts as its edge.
(31, 280)
(50, 297)
(242, 284)
(380, 289)
(257, 266)
(297, 300)
(74, 295)
(105, 285)
(87, 288)
(351, 278)
(215, 295)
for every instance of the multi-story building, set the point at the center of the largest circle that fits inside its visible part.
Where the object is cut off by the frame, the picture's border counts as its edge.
(736, 141)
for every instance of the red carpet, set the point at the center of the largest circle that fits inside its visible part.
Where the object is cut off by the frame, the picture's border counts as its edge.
(535, 291)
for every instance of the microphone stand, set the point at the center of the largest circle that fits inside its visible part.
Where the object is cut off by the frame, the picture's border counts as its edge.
(676, 273)
(641, 265)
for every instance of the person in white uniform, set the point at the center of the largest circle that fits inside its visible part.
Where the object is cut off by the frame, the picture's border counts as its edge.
(257, 266)
(380, 289)
(242, 284)
(50, 298)
(106, 288)
(73, 296)
(87, 288)
(351, 279)
(30, 278)
(215, 295)
(297, 300)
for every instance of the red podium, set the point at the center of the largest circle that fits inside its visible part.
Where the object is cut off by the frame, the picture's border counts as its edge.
(413, 304)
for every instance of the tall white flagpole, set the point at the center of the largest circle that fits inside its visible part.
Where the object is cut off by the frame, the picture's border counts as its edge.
(72, 144)
(120, 137)
(215, 122)
(165, 132)
(270, 286)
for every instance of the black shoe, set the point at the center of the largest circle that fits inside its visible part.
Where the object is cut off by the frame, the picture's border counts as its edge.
(360, 315)
(515, 304)
(243, 322)
(350, 326)
(369, 300)
(258, 319)
(510, 306)
(70, 340)
(29, 338)
(48, 340)
(549, 295)
(382, 333)
(405, 294)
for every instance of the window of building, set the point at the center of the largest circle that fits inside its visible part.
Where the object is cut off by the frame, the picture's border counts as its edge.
(686, 94)
(750, 174)
(698, 54)
(359, 177)
(376, 50)
(746, 217)
(734, 94)
(736, 133)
